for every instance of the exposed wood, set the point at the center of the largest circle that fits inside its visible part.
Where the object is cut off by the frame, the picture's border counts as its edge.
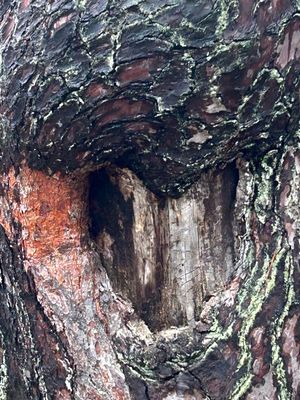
(165, 255)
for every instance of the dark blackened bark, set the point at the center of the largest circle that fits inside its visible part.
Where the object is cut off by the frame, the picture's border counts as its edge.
(149, 199)
(188, 85)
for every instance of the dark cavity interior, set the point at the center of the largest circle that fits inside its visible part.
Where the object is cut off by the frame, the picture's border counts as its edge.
(112, 228)
(155, 251)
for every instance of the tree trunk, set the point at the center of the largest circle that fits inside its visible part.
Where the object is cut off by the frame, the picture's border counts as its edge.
(149, 200)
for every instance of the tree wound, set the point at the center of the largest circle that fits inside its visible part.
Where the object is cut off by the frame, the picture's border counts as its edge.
(165, 255)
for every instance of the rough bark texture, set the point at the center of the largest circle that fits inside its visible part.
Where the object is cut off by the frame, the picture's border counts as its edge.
(149, 200)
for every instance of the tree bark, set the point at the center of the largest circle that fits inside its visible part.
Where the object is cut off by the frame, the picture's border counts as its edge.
(149, 200)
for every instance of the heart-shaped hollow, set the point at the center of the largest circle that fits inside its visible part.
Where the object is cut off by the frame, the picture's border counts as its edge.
(165, 255)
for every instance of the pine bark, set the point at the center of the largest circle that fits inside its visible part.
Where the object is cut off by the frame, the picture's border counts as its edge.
(149, 200)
